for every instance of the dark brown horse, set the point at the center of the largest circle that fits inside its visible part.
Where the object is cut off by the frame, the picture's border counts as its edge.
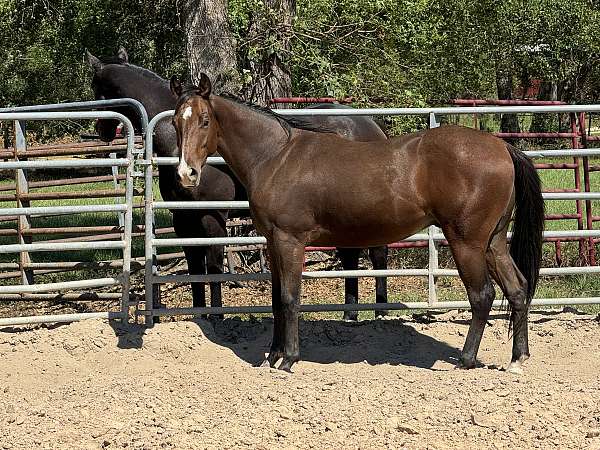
(308, 187)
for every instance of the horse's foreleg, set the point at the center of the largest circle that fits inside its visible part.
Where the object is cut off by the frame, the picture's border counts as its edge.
(514, 287)
(276, 351)
(379, 257)
(196, 260)
(349, 258)
(471, 264)
(288, 252)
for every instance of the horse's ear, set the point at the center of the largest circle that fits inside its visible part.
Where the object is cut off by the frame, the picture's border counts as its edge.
(122, 55)
(92, 61)
(204, 87)
(175, 86)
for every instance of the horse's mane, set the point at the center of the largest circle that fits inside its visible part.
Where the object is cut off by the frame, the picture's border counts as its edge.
(146, 73)
(287, 122)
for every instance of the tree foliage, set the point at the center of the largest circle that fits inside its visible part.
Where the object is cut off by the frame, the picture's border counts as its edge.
(398, 52)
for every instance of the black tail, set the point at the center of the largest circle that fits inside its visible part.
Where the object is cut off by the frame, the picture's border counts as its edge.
(526, 243)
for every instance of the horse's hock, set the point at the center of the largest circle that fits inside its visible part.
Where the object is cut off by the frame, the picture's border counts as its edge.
(56, 241)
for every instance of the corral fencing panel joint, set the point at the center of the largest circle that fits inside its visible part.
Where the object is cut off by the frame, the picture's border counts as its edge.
(153, 280)
(62, 112)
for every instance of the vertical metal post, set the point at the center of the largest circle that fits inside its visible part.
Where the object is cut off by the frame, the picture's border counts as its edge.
(433, 249)
(22, 187)
(151, 293)
(575, 145)
(128, 223)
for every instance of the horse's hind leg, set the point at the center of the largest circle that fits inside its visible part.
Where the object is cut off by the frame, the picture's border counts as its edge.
(349, 258)
(514, 287)
(471, 264)
(379, 257)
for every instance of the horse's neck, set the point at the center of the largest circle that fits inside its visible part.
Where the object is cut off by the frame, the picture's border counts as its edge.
(156, 97)
(248, 139)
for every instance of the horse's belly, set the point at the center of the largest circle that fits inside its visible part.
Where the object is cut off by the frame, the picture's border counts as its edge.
(369, 226)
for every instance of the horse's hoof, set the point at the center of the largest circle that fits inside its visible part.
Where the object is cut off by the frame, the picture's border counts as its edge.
(264, 363)
(286, 365)
(516, 367)
(350, 317)
(465, 365)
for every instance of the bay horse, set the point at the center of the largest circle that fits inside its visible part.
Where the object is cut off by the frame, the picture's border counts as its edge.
(115, 77)
(306, 186)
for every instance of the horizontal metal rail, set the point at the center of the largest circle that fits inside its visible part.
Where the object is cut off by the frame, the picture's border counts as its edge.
(79, 297)
(367, 273)
(264, 309)
(62, 246)
(54, 210)
(58, 318)
(253, 240)
(235, 204)
(64, 163)
(556, 153)
(444, 111)
(231, 204)
(85, 106)
(45, 287)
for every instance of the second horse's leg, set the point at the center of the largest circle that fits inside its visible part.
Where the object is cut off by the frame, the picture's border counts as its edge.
(196, 260)
(379, 257)
(349, 258)
(215, 227)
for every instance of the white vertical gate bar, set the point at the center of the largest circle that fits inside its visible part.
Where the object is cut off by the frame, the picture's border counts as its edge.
(152, 290)
(433, 265)
(128, 225)
(432, 244)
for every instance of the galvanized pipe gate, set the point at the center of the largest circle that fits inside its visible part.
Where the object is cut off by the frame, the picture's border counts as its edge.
(153, 279)
(433, 235)
(123, 206)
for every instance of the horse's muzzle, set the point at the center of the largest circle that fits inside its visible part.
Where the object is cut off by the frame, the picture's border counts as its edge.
(188, 176)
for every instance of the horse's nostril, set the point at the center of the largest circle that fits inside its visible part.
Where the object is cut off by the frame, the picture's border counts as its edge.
(193, 173)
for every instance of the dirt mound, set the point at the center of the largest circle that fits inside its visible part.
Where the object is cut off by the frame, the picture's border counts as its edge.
(373, 384)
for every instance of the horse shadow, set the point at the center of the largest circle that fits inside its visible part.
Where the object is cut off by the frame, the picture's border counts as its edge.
(374, 342)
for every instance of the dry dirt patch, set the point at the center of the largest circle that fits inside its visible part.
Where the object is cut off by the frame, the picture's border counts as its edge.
(375, 384)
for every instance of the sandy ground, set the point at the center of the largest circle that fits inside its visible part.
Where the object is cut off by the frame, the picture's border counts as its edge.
(374, 384)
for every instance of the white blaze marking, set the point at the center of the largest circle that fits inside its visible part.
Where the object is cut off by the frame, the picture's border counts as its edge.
(187, 113)
(183, 168)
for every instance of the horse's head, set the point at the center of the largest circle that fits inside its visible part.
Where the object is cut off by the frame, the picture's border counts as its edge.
(196, 126)
(109, 82)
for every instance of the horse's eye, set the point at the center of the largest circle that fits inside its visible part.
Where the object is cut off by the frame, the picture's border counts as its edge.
(205, 122)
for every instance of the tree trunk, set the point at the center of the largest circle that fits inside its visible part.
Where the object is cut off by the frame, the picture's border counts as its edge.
(210, 44)
(504, 83)
(268, 43)
(545, 122)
